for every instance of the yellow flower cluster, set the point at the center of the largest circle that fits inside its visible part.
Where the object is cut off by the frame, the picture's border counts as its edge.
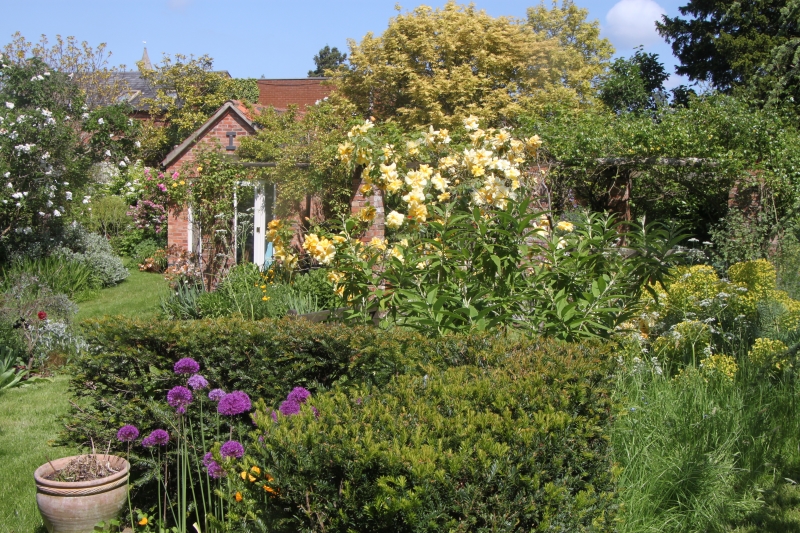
(719, 366)
(277, 234)
(490, 169)
(565, 226)
(767, 353)
(320, 248)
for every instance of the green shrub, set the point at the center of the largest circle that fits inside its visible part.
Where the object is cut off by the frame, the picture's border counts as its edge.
(316, 285)
(95, 252)
(518, 444)
(561, 473)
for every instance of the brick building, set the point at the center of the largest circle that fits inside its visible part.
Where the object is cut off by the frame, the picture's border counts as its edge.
(224, 131)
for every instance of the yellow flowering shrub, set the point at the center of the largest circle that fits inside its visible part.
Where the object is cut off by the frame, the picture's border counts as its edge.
(719, 366)
(767, 353)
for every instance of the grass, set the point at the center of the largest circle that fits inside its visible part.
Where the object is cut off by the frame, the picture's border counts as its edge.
(28, 426)
(138, 296)
(704, 456)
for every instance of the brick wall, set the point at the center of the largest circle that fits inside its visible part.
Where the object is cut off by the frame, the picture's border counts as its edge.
(215, 136)
(359, 201)
(302, 92)
(178, 228)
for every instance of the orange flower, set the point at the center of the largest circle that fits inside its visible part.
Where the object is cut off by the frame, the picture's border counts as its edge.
(238, 496)
(143, 521)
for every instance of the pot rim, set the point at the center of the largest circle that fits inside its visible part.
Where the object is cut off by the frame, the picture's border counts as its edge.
(46, 469)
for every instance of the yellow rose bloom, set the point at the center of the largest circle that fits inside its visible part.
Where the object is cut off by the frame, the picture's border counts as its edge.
(565, 226)
(367, 214)
(394, 220)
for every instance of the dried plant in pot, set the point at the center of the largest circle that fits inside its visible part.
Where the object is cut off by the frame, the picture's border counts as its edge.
(76, 493)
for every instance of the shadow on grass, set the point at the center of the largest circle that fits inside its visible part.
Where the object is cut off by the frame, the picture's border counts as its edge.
(779, 514)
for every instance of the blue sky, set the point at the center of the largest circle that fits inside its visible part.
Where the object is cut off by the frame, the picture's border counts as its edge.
(278, 39)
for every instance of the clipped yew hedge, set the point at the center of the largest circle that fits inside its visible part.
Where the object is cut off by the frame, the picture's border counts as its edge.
(517, 444)
(466, 432)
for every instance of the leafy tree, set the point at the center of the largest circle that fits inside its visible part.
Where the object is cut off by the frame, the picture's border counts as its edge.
(582, 55)
(310, 140)
(676, 164)
(326, 60)
(86, 66)
(635, 84)
(784, 64)
(724, 42)
(188, 92)
(437, 66)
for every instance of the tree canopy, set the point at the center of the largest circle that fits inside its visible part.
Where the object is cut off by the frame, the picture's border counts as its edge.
(87, 66)
(326, 60)
(437, 66)
(635, 84)
(724, 42)
(188, 92)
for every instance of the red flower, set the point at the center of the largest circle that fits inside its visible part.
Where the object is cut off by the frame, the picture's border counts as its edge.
(42, 315)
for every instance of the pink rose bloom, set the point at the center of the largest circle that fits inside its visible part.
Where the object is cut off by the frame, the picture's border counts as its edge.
(162, 187)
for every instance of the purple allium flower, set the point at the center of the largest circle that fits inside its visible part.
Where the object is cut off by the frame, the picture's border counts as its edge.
(179, 397)
(216, 394)
(157, 437)
(187, 365)
(289, 408)
(214, 470)
(232, 448)
(299, 395)
(208, 459)
(235, 403)
(198, 382)
(127, 433)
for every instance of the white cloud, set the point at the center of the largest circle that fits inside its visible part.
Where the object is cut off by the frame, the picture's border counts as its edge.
(632, 22)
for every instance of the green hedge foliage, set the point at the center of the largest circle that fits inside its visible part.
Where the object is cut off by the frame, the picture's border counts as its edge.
(517, 444)
(471, 432)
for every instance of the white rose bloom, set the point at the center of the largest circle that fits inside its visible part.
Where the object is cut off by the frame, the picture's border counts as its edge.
(9, 105)
(108, 153)
(56, 213)
(101, 121)
(68, 195)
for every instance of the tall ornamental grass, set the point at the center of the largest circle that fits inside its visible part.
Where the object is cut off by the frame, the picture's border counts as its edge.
(696, 450)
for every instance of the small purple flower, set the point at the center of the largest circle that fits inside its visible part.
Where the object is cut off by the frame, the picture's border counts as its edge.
(232, 448)
(289, 408)
(179, 398)
(157, 437)
(127, 433)
(235, 403)
(208, 459)
(214, 470)
(216, 394)
(198, 382)
(299, 395)
(187, 365)
(316, 411)
(274, 415)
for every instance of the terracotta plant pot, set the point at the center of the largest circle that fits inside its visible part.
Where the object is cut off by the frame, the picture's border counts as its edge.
(76, 507)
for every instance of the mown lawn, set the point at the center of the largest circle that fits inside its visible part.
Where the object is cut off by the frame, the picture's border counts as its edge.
(138, 296)
(28, 426)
